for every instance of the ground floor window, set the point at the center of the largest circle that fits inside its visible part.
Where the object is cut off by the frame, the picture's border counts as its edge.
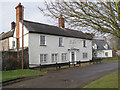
(64, 56)
(85, 55)
(106, 53)
(54, 57)
(43, 57)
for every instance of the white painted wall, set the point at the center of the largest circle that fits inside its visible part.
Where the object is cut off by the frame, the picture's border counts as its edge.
(52, 46)
(4, 45)
(101, 53)
(26, 35)
(11, 39)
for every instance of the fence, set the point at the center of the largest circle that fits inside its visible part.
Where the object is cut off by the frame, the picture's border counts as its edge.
(59, 65)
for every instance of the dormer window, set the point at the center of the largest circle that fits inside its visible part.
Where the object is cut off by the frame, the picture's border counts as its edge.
(106, 46)
(94, 46)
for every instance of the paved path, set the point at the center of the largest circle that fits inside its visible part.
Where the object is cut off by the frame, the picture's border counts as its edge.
(76, 77)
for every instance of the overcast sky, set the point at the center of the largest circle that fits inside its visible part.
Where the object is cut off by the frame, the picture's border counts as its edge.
(31, 13)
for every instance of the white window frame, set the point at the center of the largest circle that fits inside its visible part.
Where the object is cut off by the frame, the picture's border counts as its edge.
(85, 55)
(60, 41)
(84, 43)
(54, 57)
(43, 57)
(42, 42)
(64, 56)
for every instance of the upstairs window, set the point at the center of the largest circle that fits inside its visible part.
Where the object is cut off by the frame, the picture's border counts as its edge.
(54, 57)
(13, 44)
(85, 55)
(60, 42)
(43, 58)
(42, 40)
(64, 56)
(84, 43)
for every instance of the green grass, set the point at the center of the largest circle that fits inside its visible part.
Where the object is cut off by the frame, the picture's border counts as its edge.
(13, 74)
(108, 81)
(111, 59)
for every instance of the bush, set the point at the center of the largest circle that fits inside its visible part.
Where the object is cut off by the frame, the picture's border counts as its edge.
(12, 64)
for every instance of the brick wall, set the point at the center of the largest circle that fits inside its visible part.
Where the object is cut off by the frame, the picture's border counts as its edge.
(9, 60)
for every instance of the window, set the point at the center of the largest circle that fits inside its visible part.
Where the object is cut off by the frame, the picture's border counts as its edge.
(106, 46)
(60, 42)
(84, 43)
(84, 55)
(106, 53)
(64, 56)
(54, 57)
(43, 58)
(13, 44)
(42, 40)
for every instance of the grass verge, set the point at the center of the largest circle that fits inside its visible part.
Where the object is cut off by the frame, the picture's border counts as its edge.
(13, 74)
(108, 81)
(112, 59)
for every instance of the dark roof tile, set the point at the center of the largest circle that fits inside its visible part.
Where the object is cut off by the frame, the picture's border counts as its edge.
(100, 44)
(35, 27)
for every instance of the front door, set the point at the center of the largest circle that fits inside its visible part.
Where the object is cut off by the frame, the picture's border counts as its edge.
(72, 57)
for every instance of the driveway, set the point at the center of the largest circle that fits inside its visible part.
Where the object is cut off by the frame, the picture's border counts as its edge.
(76, 77)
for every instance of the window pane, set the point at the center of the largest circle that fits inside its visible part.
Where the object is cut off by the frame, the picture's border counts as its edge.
(64, 57)
(43, 57)
(42, 40)
(60, 41)
(84, 55)
(84, 43)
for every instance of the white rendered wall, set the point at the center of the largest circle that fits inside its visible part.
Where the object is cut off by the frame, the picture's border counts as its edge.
(52, 46)
(101, 53)
(20, 36)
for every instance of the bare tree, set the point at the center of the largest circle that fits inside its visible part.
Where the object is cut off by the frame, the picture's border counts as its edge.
(99, 16)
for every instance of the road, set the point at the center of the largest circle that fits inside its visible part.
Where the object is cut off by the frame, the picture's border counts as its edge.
(76, 77)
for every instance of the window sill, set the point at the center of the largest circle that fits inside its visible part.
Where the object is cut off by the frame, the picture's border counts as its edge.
(61, 46)
(43, 45)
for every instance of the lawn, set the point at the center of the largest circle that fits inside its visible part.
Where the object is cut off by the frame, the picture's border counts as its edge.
(111, 59)
(108, 81)
(13, 74)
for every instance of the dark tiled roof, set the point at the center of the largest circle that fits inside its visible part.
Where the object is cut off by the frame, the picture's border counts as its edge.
(100, 44)
(6, 35)
(34, 27)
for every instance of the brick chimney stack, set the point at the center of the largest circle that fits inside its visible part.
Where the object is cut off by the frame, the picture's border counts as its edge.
(19, 16)
(12, 25)
(61, 21)
(104, 38)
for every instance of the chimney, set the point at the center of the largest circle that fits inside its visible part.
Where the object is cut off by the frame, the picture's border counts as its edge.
(104, 38)
(12, 25)
(19, 16)
(61, 21)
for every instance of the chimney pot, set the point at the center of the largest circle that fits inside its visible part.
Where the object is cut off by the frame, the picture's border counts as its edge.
(12, 25)
(61, 21)
(19, 3)
(104, 38)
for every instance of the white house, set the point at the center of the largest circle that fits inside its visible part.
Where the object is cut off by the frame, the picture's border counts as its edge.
(50, 44)
(6, 39)
(101, 49)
